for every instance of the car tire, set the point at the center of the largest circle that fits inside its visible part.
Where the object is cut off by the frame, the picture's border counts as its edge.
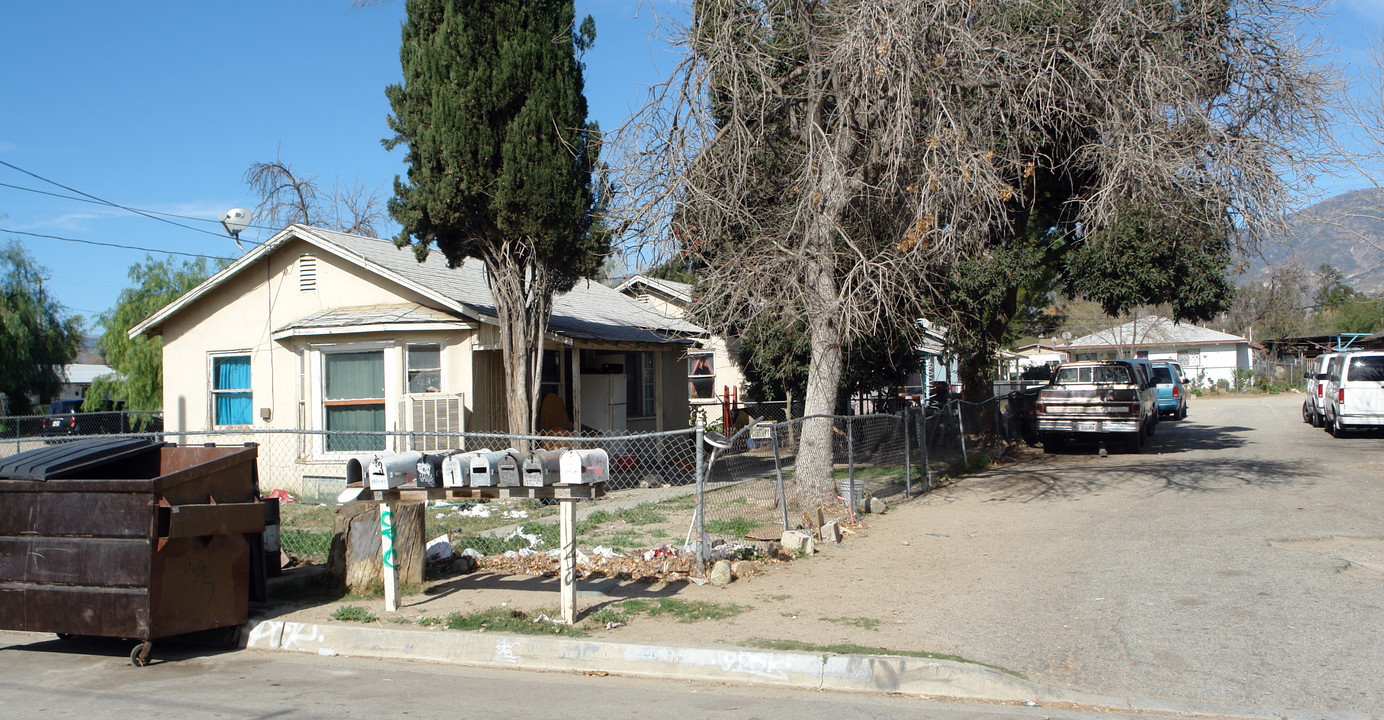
(1307, 414)
(1337, 430)
(1317, 420)
(1182, 413)
(1132, 441)
(1052, 442)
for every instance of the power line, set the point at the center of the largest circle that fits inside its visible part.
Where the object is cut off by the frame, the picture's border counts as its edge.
(111, 245)
(102, 201)
(151, 212)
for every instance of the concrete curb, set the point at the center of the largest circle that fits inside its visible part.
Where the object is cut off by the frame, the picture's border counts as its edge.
(817, 671)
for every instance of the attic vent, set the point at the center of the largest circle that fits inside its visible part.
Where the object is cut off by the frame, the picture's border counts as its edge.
(307, 273)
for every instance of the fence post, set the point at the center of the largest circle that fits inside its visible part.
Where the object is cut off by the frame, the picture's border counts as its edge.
(850, 466)
(961, 431)
(907, 455)
(922, 443)
(702, 550)
(778, 474)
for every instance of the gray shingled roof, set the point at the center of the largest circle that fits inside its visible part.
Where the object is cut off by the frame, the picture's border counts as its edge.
(677, 290)
(1153, 330)
(406, 313)
(589, 311)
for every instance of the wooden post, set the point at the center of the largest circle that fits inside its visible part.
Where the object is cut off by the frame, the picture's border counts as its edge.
(567, 571)
(391, 600)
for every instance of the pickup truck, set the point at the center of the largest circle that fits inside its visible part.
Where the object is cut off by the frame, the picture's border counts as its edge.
(1101, 399)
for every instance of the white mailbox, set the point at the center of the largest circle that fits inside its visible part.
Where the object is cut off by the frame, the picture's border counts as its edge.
(485, 468)
(456, 468)
(392, 470)
(542, 468)
(584, 467)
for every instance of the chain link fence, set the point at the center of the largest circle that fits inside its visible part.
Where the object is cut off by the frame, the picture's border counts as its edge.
(748, 495)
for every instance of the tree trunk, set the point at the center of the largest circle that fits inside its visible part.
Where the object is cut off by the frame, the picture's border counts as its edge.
(354, 562)
(814, 464)
(522, 289)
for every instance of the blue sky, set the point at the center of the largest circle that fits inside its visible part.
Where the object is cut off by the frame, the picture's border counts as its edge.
(161, 106)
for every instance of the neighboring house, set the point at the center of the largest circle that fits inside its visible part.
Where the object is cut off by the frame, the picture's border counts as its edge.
(324, 331)
(1207, 356)
(711, 369)
(78, 378)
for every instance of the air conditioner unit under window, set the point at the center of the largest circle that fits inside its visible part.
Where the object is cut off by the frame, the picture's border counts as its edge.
(433, 413)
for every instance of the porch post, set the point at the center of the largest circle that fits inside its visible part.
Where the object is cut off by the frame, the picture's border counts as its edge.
(576, 389)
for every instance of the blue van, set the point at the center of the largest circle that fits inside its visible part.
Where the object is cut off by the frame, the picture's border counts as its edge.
(1172, 394)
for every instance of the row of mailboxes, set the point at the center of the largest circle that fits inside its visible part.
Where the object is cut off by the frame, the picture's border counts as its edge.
(479, 468)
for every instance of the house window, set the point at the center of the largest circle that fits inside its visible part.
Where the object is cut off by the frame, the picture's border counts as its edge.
(639, 384)
(424, 368)
(1189, 358)
(353, 392)
(230, 390)
(701, 376)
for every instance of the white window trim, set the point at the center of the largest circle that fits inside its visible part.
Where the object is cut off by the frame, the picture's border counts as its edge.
(394, 385)
(442, 388)
(212, 357)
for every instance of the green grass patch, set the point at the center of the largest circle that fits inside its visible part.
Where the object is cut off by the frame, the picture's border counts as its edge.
(429, 621)
(687, 611)
(734, 527)
(873, 472)
(509, 621)
(354, 613)
(863, 623)
(853, 649)
(776, 598)
(641, 514)
(625, 539)
(659, 533)
(375, 591)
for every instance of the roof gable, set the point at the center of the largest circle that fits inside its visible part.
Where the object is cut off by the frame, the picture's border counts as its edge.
(588, 311)
(1153, 330)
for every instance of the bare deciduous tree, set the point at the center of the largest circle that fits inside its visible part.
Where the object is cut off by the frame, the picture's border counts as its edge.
(818, 156)
(286, 197)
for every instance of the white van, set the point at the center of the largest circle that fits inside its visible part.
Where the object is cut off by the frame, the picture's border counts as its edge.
(1314, 405)
(1354, 392)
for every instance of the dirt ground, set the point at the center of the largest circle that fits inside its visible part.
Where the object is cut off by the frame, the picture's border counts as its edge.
(1238, 558)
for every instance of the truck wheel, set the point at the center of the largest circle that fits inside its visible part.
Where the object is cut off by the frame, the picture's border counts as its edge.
(1306, 414)
(1132, 442)
(1336, 429)
(1052, 442)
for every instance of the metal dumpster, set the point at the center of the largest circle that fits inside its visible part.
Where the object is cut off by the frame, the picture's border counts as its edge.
(128, 538)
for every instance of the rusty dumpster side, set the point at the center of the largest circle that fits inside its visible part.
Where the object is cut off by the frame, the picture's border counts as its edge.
(155, 544)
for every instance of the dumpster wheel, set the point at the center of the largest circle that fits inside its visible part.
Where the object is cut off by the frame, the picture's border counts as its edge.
(139, 656)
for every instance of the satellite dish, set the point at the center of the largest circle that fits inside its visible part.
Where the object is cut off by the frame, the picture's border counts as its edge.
(236, 220)
(1066, 335)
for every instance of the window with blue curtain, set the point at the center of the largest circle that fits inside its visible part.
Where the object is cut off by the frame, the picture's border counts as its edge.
(231, 400)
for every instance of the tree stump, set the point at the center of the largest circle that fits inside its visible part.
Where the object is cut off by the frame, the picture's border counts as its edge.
(354, 562)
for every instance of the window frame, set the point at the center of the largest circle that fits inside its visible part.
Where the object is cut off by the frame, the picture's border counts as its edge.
(214, 392)
(694, 377)
(408, 367)
(391, 364)
(641, 385)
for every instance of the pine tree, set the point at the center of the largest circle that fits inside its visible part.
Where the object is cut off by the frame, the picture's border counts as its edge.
(500, 160)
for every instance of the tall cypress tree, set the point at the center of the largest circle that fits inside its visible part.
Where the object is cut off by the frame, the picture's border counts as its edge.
(500, 159)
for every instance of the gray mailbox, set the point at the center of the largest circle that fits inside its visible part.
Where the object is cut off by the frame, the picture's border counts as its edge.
(485, 467)
(542, 468)
(456, 468)
(583, 467)
(511, 468)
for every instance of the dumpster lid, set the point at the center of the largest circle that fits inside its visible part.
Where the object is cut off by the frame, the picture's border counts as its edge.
(68, 458)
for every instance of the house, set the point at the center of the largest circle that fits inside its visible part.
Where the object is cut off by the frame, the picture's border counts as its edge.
(711, 369)
(323, 331)
(1207, 356)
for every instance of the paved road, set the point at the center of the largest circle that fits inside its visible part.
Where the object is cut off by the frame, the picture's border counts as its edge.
(1238, 558)
(92, 680)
